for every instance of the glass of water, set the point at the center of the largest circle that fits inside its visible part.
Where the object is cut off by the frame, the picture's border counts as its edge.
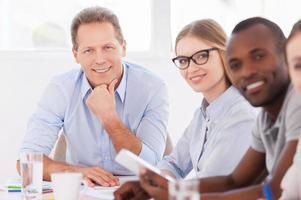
(184, 190)
(31, 166)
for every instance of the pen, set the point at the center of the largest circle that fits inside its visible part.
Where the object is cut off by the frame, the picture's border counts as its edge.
(18, 189)
(267, 191)
(13, 187)
(47, 191)
(14, 190)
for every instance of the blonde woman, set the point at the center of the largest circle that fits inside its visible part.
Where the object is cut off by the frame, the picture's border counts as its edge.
(291, 183)
(213, 143)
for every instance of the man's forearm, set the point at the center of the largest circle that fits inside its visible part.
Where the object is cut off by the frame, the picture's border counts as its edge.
(216, 184)
(50, 166)
(248, 193)
(121, 136)
(227, 190)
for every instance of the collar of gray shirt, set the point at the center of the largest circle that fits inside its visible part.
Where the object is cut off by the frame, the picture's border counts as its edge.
(271, 126)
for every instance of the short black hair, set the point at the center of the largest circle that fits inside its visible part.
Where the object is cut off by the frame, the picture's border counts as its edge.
(274, 28)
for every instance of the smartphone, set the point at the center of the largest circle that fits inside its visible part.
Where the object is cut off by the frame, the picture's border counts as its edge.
(134, 163)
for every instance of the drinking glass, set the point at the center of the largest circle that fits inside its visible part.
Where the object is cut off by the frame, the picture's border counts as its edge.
(31, 166)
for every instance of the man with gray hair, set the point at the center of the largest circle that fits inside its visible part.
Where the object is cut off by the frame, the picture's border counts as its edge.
(104, 106)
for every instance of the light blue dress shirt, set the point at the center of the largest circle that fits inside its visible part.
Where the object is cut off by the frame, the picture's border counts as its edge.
(216, 138)
(141, 103)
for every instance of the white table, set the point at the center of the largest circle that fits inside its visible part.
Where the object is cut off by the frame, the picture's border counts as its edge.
(98, 193)
(17, 196)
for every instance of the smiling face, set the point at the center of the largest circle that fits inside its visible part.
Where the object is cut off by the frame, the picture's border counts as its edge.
(208, 78)
(256, 66)
(99, 53)
(293, 52)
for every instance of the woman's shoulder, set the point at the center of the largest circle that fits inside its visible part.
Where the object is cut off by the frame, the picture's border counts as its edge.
(239, 106)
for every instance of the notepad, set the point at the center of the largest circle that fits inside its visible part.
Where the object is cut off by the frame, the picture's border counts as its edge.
(105, 193)
(134, 163)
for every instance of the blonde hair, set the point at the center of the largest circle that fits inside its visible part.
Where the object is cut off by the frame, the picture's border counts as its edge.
(295, 30)
(211, 33)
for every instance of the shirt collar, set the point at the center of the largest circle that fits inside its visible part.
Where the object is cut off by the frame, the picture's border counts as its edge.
(122, 85)
(215, 108)
(270, 126)
(86, 87)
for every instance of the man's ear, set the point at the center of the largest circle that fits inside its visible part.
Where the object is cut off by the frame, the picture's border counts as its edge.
(75, 54)
(123, 48)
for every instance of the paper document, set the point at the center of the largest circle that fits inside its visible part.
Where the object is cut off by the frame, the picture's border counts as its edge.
(105, 193)
(134, 163)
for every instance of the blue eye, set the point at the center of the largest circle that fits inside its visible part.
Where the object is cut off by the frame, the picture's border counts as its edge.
(108, 48)
(88, 51)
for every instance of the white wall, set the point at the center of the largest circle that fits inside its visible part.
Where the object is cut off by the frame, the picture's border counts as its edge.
(23, 78)
(25, 75)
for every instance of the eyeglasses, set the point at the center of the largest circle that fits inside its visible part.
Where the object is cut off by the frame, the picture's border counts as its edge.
(199, 58)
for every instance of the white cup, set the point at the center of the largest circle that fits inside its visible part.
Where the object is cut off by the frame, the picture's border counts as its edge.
(184, 190)
(66, 186)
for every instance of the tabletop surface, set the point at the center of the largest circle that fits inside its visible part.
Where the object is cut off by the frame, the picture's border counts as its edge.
(87, 193)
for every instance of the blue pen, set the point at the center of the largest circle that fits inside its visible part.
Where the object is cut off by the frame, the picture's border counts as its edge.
(14, 190)
(267, 191)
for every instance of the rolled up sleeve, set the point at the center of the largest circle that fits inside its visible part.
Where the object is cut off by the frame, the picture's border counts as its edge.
(256, 142)
(152, 128)
(44, 125)
(179, 161)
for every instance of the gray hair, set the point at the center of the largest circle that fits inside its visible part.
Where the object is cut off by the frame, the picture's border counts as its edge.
(95, 14)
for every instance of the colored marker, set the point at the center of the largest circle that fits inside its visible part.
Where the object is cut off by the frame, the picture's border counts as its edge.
(267, 191)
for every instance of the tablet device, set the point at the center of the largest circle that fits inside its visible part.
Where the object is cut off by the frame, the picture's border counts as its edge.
(134, 163)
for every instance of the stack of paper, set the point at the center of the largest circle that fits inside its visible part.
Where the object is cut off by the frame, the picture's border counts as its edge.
(105, 193)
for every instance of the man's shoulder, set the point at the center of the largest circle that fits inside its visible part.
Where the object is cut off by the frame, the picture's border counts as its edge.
(143, 84)
(67, 79)
(290, 110)
(141, 75)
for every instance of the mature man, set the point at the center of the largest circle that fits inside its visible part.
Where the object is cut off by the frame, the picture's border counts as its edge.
(103, 107)
(257, 68)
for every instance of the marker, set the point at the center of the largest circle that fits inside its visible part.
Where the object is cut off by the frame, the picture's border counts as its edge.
(14, 190)
(19, 189)
(47, 191)
(267, 191)
(13, 187)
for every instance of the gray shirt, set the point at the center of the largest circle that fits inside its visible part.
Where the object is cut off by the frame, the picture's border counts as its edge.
(269, 137)
(216, 138)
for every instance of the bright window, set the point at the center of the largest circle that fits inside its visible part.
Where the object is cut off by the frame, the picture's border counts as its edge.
(36, 24)
(229, 12)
